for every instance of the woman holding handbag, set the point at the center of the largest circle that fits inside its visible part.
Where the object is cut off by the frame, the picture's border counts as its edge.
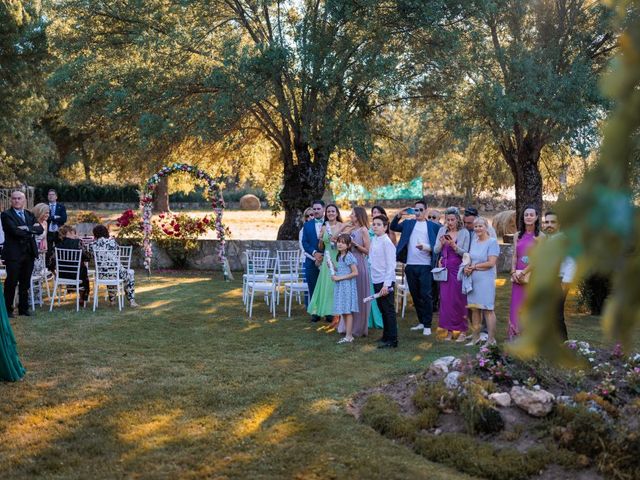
(523, 242)
(451, 243)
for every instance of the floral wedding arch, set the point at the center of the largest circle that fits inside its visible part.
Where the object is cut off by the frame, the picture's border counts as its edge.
(217, 203)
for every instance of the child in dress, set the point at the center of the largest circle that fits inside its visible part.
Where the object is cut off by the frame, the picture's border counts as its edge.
(345, 292)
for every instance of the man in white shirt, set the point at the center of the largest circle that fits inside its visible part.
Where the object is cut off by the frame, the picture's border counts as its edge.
(414, 249)
(551, 227)
(382, 256)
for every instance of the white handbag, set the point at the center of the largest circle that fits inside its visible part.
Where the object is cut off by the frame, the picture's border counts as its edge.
(439, 274)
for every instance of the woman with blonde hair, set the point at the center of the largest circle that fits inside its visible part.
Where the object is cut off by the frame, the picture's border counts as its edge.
(41, 212)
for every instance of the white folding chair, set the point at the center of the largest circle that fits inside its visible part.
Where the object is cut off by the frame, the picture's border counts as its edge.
(249, 274)
(297, 287)
(402, 288)
(67, 273)
(107, 263)
(39, 277)
(262, 268)
(287, 266)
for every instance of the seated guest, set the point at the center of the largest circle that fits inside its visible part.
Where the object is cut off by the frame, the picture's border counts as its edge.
(41, 212)
(68, 240)
(104, 242)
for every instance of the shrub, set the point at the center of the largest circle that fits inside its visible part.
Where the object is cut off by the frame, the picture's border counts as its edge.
(426, 419)
(592, 293)
(435, 396)
(87, 217)
(580, 429)
(479, 414)
(383, 415)
(471, 456)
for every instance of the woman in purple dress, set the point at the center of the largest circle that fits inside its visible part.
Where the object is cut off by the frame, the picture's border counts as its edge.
(528, 234)
(359, 232)
(451, 243)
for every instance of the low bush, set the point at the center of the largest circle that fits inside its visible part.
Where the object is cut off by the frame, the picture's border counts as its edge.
(383, 415)
(426, 419)
(479, 414)
(435, 396)
(471, 456)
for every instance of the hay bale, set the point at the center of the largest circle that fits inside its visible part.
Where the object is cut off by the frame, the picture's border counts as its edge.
(505, 223)
(249, 202)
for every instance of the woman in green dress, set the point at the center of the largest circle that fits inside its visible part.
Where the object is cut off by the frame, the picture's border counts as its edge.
(321, 302)
(11, 370)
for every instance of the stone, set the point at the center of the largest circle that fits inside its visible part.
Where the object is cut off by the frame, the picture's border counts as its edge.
(452, 380)
(502, 399)
(457, 364)
(537, 403)
(441, 365)
(249, 202)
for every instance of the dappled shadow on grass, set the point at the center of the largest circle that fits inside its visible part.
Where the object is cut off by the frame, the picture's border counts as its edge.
(187, 386)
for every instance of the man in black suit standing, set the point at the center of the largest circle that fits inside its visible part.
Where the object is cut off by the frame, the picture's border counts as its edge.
(57, 218)
(20, 250)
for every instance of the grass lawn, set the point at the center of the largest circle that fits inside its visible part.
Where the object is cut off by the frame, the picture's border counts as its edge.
(187, 387)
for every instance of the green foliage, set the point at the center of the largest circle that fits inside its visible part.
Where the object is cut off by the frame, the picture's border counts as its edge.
(479, 414)
(602, 227)
(87, 217)
(593, 292)
(24, 150)
(383, 414)
(89, 192)
(435, 396)
(579, 429)
(474, 457)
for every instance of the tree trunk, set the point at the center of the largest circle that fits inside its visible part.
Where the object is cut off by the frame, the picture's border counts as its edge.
(524, 164)
(303, 182)
(86, 163)
(161, 196)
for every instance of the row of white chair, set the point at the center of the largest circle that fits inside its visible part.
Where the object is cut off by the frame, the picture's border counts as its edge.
(271, 275)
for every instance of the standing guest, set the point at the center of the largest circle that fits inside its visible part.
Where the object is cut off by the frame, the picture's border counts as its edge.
(566, 273)
(417, 242)
(19, 252)
(375, 315)
(11, 370)
(359, 231)
(321, 303)
(451, 243)
(306, 216)
(434, 216)
(382, 254)
(528, 234)
(484, 254)
(104, 242)
(68, 240)
(41, 212)
(470, 215)
(377, 210)
(57, 218)
(345, 292)
(310, 234)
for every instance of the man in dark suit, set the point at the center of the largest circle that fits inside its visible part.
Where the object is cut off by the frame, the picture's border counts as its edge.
(57, 218)
(310, 232)
(20, 250)
(415, 250)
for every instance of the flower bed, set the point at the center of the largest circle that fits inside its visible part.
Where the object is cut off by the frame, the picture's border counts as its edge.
(497, 417)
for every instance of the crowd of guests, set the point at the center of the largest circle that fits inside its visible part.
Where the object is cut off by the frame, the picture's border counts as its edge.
(28, 239)
(449, 267)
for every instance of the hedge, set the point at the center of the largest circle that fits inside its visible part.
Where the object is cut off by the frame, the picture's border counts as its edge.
(128, 193)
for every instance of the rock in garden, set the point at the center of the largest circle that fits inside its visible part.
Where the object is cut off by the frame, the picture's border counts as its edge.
(441, 365)
(538, 403)
(457, 364)
(502, 399)
(249, 202)
(452, 380)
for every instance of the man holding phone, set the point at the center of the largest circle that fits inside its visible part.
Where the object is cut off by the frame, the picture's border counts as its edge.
(417, 241)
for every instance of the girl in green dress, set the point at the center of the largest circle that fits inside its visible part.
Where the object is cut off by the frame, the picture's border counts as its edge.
(321, 302)
(11, 370)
